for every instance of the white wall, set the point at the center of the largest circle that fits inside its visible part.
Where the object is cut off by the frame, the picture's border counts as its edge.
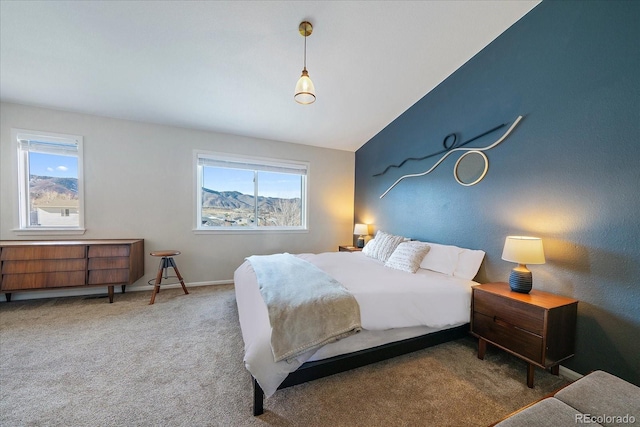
(149, 169)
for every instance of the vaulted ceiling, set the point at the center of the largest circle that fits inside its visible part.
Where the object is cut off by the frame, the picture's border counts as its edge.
(231, 66)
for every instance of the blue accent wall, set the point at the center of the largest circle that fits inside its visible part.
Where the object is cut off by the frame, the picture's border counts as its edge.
(569, 173)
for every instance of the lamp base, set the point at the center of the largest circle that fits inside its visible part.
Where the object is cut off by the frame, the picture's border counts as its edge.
(360, 243)
(520, 281)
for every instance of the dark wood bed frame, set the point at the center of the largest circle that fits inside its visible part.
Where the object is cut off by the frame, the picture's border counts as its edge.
(321, 368)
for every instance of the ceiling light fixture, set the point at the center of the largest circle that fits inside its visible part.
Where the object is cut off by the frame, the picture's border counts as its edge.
(305, 92)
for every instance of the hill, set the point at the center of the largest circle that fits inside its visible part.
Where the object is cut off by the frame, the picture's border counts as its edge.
(237, 200)
(41, 185)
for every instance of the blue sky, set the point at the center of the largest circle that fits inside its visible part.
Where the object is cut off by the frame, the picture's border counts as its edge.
(220, 179)
(271, 184)
(53, 165)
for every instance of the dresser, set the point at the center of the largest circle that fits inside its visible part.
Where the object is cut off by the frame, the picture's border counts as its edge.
(27, 265)
(538, 327)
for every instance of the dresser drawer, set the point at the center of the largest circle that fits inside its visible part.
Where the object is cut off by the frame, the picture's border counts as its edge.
(107, 263)
(519, 314)
(44, 266)
(42, 252)
(97, 251)
(103, 277)
(42, 280)
(499, 331)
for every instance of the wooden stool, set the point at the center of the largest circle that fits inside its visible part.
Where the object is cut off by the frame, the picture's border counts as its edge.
(166, 262)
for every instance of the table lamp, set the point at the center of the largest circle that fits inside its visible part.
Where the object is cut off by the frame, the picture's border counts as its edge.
(522, 250)
(361, 230)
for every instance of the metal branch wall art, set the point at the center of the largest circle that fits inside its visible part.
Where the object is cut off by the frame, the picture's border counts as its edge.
(447, 144)
(449, 150)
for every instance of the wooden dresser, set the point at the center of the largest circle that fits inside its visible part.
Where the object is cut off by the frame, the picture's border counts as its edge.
(538, 327)
(27, 265)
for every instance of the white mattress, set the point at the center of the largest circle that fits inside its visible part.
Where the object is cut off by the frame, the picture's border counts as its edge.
(394, 305)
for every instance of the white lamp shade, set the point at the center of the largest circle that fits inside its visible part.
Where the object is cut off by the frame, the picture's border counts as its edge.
(361, 229)
(523, 250)
(305, 92)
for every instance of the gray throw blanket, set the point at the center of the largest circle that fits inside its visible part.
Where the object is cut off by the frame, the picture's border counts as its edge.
(307, 307)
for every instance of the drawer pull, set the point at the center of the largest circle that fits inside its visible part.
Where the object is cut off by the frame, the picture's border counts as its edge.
(501, 322)
(498, 321)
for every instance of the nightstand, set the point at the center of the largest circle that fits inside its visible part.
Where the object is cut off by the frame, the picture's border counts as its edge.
(537, 327)
(348, 249)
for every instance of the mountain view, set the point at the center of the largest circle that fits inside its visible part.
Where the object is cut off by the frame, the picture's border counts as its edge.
(232, 208)
(219, 208)
(50, 191)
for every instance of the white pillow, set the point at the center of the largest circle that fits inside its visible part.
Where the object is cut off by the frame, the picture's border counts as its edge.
(441, 258)
(385, 245)
(407, 256)
(469, 262)
(453, 261)
(369, 247)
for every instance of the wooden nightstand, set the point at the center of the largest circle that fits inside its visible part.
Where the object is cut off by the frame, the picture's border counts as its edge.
(537, 327)
(348, 249)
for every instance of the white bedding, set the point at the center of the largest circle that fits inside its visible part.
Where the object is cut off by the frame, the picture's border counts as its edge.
(389, 300)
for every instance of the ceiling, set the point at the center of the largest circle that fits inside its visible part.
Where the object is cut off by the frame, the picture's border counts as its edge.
(231, 66)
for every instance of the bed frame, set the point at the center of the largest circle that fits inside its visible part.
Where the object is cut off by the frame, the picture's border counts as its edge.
(321, 368)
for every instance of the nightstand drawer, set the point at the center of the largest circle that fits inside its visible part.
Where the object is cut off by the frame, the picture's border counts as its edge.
(524, 316)
(501, 332)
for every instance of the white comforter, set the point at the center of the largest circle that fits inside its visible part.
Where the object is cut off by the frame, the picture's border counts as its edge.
(388, 299)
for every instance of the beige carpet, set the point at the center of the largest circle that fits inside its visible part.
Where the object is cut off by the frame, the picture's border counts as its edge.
(84, 362)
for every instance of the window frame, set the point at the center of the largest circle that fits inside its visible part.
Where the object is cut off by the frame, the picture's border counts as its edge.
(22, 225)
(198, 228)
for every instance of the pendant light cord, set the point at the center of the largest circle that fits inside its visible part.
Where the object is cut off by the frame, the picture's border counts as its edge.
(305, 49)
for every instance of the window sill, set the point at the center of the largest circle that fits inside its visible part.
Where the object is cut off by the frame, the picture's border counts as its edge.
(228, 230)
(49, 231)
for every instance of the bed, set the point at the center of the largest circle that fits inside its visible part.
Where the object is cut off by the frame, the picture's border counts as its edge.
(400, 312)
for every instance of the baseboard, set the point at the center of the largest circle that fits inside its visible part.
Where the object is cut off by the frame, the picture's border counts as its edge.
(100, 290)
(145, 287)
(569, 374)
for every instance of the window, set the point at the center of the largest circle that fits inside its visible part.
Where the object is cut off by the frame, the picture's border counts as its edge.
(236, 193)
(49, 181)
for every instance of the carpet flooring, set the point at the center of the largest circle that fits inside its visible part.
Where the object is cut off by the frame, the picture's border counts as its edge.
(80, 361)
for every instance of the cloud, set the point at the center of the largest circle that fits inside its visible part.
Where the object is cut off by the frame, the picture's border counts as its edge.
(62, 168)
(50, 169)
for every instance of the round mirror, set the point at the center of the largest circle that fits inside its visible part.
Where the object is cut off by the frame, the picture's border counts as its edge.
(470, 168)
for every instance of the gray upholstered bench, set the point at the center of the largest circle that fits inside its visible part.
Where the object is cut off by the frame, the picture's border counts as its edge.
(597, 399)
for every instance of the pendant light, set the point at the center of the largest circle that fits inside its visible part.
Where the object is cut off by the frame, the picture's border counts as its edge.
(305, 92)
